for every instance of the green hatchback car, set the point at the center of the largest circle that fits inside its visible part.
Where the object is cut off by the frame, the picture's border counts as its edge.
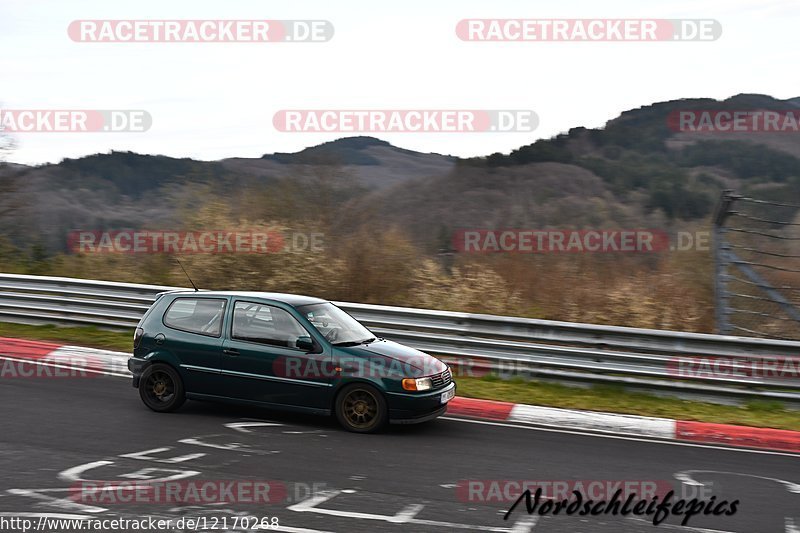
(282, 351)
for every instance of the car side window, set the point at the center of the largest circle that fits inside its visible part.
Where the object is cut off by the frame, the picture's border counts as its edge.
(196, 315)
(265, 324)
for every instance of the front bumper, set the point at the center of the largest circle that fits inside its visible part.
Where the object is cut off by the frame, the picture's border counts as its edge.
(416, 408)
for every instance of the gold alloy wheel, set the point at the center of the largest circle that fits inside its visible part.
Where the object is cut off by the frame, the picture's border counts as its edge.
(361, 409)
(160, 387)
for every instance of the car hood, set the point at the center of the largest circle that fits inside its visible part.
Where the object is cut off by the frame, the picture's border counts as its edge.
(426, 364)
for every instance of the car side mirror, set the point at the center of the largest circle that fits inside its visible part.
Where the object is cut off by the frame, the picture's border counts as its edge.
(305, 343)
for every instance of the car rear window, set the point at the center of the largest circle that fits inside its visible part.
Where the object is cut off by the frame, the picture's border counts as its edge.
(196, 315)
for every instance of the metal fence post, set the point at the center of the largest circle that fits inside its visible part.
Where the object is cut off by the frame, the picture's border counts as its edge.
(721, 296)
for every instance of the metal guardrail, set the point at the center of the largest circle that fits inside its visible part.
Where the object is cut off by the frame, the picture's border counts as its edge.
(474, 342)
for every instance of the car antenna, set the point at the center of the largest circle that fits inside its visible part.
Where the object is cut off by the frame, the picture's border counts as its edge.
(187, 276)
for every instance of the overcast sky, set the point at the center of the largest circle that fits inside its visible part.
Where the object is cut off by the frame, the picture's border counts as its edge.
(210, 101)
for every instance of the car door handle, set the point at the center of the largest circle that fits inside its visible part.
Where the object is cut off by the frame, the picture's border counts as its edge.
(230, 351)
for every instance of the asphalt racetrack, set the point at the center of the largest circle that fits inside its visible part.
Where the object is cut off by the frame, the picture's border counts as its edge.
(59, 434)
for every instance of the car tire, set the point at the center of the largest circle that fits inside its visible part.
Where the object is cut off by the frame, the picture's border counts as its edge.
(161, 388)
(361, 408)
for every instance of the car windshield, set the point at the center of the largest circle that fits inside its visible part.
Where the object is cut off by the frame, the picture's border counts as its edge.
(336, 325)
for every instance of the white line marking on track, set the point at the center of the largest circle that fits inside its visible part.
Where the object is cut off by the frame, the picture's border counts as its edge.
(147, 455)
(63, 516)
(240, 426)
(623, 437)
(790, 526)
(685, 476)
(106, 486)
(63, 503)
(288, 529)
(232, 446)
(74, 473)
(526, 524)
(680, 528)
(405, 516)
(409, 512)
(310, 505)
(516, 528)
(146, 474)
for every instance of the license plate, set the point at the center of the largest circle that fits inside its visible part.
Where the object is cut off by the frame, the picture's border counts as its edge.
(449, 395)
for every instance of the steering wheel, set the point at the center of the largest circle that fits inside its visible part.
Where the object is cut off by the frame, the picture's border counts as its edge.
(332, 335)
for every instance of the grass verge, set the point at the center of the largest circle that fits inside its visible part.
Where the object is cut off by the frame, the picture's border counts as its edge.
(598, 398)
(90, 336)
(614, 399)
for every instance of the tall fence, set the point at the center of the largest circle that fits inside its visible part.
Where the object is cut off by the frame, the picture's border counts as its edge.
(757, 258)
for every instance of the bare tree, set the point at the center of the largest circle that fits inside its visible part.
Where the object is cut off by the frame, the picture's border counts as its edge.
(7, 143)
(8, 184)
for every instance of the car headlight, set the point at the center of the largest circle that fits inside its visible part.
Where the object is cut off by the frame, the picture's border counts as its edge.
(417, 383)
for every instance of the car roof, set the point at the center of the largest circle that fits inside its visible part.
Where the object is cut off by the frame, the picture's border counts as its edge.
(291, 299)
